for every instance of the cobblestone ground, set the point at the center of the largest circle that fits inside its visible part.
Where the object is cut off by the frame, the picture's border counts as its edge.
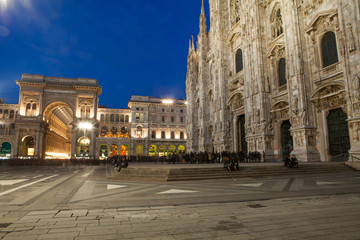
(323, 217)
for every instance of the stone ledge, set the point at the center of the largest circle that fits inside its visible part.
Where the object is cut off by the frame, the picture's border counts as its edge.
(354, 165)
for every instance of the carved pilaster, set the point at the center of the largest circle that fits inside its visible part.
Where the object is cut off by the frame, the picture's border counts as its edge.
(305, 144)
(354, 125)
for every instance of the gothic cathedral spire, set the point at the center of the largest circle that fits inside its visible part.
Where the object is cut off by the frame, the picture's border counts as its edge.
(203, 27)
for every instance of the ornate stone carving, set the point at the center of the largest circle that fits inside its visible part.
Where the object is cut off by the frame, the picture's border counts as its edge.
(294, 106)
(85, 102)
(356, 87)
(310, 5)
(321, 24)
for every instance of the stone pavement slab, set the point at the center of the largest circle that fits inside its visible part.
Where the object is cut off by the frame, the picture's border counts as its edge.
(318, 217)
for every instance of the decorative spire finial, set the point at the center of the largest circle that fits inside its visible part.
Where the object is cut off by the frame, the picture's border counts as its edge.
(202, 8)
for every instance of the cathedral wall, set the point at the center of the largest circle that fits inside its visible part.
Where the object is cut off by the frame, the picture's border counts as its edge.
(283, 84)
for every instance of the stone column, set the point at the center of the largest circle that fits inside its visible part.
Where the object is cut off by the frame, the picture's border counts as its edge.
(38, 142)
(235, 134)
(92, 138)
(73, 142)
(354, 130)
(16, 144)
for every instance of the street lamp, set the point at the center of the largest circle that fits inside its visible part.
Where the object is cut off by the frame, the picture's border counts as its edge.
(3, 4)
(85, 126)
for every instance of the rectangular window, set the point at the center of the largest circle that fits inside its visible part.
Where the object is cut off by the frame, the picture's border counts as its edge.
(181, 119)
(172, 110)
(172, 135)
(154, 118)
(163, 119)
(181, 135)
(162, 134)
(137, 116)
(172, 119)
(153, 134)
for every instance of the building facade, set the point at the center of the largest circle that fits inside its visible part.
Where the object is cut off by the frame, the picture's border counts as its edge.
(148, 127)
(8, 113)
(278, 77)
(61, 118)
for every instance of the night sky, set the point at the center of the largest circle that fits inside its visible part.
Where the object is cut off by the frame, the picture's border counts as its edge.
(132, 47)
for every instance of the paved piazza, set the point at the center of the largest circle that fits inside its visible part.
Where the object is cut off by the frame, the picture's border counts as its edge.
(81, 203)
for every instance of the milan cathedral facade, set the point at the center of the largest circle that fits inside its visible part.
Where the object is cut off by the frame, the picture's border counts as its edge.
(276, 76)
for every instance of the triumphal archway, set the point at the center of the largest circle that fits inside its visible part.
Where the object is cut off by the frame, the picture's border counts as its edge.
(57, 117)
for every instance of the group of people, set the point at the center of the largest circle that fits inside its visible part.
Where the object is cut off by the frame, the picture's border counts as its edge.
(194, 158)
(118, 162)
(231, 160)
(206, 157)
(291, 162)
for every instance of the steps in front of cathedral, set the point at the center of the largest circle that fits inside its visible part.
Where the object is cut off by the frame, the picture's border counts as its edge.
(178, 173)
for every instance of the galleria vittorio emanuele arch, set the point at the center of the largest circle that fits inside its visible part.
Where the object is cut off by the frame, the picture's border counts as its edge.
(278, 77)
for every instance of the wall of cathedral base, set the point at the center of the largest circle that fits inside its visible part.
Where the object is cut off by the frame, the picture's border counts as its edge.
(354, 152)
(305, 144)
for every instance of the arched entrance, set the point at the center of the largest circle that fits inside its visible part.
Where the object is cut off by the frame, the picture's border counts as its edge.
(27, 146)
(5, 150)
(172, 149)
(124, 150)
(286, 139)
(103, 151)
(83, 147)
(162, 150)
(139, 150)
(114, 150)
(58, 135)
(181, 149)
(152, 150)
(339, 141)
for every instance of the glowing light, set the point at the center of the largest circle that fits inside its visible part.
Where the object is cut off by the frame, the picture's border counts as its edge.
(167, 101)
(85, 125)
(3, 4)
(85, 141)
(58, 155)
(186, 102)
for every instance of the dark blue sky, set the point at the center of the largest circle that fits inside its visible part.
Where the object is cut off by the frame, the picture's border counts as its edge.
(133, 47)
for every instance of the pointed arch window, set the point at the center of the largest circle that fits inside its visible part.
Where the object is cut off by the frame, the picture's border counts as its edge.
(276, 23)
(282, 72)
(328, 49)
(239, 60)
